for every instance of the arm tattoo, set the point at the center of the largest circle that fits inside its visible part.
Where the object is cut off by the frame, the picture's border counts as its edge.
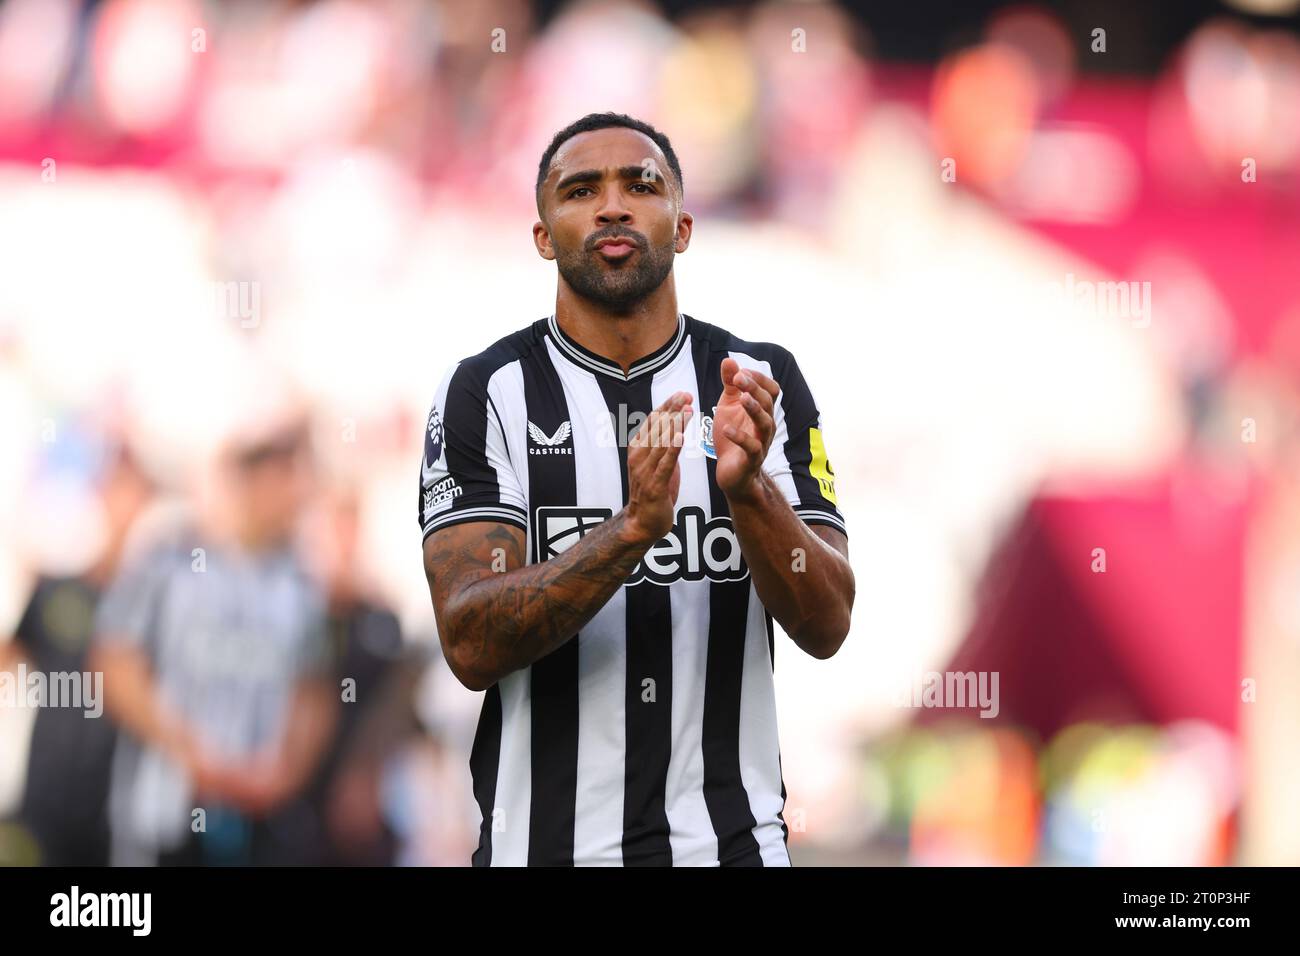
(498, 622)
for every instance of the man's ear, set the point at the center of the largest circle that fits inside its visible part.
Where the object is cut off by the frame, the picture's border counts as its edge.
(685, 225)
(542, 240)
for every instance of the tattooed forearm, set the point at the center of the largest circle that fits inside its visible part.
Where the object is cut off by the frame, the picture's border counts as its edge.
(497, 614)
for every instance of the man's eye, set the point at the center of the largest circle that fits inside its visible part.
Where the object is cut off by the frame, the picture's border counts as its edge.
(643, 185)
(580, 189)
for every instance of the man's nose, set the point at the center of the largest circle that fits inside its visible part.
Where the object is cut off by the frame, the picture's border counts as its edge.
(612, 208)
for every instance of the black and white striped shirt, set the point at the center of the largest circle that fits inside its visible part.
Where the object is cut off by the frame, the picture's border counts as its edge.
(651, 737)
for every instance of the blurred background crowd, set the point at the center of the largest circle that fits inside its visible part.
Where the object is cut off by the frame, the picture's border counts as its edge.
(1037, 261)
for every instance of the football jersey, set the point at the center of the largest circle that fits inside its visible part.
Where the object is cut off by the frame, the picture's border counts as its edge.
(650, 738)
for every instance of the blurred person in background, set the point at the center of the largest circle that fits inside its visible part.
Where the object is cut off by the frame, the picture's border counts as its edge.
(342, 806)
(216, 664)
(65, 794)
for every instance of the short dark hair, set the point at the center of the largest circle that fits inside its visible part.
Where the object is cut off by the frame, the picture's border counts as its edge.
(281, 445)
(594, 121)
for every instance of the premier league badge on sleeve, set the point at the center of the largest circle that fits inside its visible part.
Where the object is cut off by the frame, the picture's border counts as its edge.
(434, 451)
(706, 434)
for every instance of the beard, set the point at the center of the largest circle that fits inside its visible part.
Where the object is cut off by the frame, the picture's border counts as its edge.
(618, 286)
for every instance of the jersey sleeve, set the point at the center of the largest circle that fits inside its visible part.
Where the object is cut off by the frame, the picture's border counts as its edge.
(466, 473)
(798, 461)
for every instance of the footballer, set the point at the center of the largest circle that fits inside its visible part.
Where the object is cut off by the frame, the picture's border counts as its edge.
(617, 502)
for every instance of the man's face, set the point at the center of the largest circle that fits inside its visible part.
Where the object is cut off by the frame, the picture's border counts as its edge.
(612, 217)
(272, 484)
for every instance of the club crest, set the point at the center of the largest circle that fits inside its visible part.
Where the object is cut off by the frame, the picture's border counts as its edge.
(706, 434)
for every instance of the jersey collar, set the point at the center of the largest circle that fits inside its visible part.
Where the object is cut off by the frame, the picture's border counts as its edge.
(580, 355)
